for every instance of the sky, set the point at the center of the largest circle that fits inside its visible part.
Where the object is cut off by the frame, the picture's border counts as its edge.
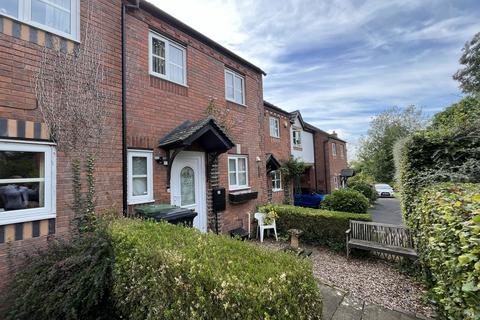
(341, 62)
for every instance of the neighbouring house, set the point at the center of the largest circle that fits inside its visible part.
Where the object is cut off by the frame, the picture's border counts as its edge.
(303, 149)
(278, 150)
(177, 153)
(330, 161)
(35, 179)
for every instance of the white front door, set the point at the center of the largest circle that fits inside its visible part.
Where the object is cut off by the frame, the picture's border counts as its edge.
(188, 185)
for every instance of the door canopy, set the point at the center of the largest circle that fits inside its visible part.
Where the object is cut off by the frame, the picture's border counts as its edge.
(272, 163)
(205, 133)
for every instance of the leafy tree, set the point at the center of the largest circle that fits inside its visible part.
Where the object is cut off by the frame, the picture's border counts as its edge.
(462, 115)
(376, 149)
(291, 170)
(469, 76)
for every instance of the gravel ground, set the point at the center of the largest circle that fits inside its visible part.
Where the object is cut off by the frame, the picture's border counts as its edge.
(370, 279)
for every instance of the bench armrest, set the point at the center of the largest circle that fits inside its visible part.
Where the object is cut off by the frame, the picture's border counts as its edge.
(348, 231)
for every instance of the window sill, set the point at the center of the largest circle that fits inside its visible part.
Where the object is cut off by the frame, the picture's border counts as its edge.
(274, 137)
(168, 80)
(239, 190)
(277, 190)
(236, 103)
(139, 201)
(27, 218)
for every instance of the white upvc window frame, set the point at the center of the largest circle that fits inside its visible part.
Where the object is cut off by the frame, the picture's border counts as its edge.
(342, 151)
(236, 77)
(237, 172)
(334, 149)
(148, 154)
(276, 177)
(299, 139)
(48, 211)
(274, 127)
(153, 35)
(25, 16)
(335, 183)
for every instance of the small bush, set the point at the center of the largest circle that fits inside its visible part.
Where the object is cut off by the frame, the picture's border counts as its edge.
(366, 189)
(68, 280)
(346, 200)
(164, 271)
(320, 226)
(446, 224)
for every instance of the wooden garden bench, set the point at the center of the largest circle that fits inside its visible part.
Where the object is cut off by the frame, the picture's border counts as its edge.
(380, 237)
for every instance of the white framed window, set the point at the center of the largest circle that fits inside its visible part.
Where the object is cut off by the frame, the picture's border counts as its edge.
(335, 182)
(167, 59)
(342, 151)
(276, 180)
(297, 138)
(234, 87)
(140, 176)
(334, 149)
(237, 172)
(61, 17)
(27, 182)
(274, 127)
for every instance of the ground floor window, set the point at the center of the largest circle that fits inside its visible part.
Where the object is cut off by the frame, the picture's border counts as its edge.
(140, 176)
(27, 182)
(237, 172)
(276, 180)
(335, 182)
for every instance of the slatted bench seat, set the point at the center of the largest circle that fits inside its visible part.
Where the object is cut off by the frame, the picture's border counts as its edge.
(380, 237)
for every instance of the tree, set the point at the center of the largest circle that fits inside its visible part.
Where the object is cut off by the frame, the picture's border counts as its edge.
(376, 148)
(469, 76)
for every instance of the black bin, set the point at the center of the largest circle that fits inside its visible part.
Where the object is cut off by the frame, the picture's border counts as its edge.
(169, 213)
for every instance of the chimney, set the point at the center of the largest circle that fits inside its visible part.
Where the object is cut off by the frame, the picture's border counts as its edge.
(334, 134)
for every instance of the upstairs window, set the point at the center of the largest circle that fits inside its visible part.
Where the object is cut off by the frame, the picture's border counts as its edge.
(237, 172)
(342, 151)
(297, 138)
(274, 127)
(61, 17)
(334, 149)
(234, 87)
(167, 59)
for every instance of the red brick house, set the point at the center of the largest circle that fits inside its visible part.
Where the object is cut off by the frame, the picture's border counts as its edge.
(277, 126)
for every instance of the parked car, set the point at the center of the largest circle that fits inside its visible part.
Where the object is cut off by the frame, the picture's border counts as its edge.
(310, 200)
(384, 190)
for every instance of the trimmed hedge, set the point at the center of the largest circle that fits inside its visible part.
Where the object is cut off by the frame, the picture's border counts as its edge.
(164, 271)
(346, 200)
(447, 232)
(364, 188)
(320, 226)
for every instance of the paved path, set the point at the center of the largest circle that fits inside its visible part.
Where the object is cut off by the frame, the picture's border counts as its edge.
(387, 210)
(339, 305)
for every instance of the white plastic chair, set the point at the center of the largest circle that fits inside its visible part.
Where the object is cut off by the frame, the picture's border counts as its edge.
(262, 226)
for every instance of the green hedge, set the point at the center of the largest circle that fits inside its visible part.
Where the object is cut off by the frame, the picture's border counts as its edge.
(320, 226)
(164, 271)
(447, 220)
(346, 200)
(364, 188)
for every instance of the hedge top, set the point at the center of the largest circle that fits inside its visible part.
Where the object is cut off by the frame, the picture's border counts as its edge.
(320, 213)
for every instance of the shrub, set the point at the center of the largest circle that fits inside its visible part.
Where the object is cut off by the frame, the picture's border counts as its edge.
(346, 200)
(366, 189)
(164, 271)
(446, 220)
(67, 280)
(320, 226)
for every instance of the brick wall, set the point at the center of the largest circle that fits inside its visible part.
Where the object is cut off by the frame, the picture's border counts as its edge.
(20, 53)
(279, 147)
(156, 106)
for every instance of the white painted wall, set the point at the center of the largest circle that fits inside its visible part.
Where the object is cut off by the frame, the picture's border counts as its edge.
(307, 153)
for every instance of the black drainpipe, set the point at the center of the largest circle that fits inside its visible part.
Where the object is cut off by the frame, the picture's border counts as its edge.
(124, 106)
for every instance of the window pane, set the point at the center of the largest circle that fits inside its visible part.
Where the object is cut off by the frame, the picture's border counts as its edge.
(238, 89)
(21, 165)
(232, 166)
(229, 86)
(241, 164)
(139, 186)
(139, 165)
(242, 179)
(176, 74)
(22, 195)
(187, 186)
(158, 47)
(56, 15)
(9, 7)
(158, 65)
(233, 179)
(176, 56)
(176, 64)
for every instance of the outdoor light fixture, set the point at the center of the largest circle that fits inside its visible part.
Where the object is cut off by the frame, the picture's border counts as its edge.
(161, 160)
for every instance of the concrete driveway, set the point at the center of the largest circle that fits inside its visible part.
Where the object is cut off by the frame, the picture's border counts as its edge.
(387, 210)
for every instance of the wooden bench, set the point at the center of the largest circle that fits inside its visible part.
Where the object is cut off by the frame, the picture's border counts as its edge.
(380, 237)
